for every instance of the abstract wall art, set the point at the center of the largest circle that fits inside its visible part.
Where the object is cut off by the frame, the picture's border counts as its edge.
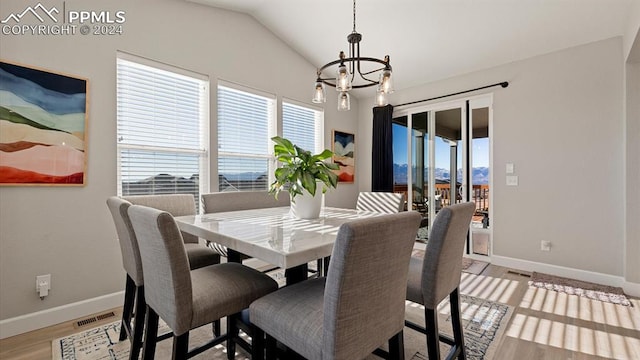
(43, 119)
(344, 155)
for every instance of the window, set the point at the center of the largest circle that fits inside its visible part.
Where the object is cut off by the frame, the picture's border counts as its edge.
(162, 119)
(246, 123)
(303, 126)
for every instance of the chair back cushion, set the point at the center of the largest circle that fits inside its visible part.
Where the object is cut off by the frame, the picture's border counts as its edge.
(127, 239)
(241, 200)
(167, 280)
(174, 204)
(364, 298)
(384, 202)
(442, 264)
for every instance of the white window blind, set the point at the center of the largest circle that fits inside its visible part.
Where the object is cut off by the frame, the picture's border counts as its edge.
(303, 126)
(245, 127)
(162, 118)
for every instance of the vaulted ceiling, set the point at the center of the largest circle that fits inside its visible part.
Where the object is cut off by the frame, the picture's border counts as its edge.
(430, 40)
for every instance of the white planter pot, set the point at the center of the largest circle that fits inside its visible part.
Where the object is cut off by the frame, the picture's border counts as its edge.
(306, 206)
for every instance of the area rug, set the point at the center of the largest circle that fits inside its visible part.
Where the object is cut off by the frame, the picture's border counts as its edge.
(589, 290)
(484, 323)
(422, 235)
(101, 343)
(470, 266)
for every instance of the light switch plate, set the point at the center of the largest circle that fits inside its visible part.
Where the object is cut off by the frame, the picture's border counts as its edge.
(512, 180)
(510, 168)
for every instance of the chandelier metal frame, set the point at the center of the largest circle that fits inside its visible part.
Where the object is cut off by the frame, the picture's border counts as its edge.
(354, 62)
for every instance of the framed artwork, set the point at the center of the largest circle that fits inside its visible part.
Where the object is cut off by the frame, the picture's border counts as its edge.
(43, 121)
(344, 155)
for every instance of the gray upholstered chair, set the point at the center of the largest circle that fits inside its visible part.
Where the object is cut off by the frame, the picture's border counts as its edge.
(187, 299)
(356, 308)
(134, 286)
(437, 276)
(384, 202)
(239, 200)
(179, 205)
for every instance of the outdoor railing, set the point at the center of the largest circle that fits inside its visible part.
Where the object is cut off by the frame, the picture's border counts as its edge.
(479, 195)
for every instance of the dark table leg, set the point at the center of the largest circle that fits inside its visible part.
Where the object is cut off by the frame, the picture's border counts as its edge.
(296, 274)
(234, 256)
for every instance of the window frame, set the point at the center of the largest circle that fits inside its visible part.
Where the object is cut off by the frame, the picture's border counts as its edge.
(203, 122)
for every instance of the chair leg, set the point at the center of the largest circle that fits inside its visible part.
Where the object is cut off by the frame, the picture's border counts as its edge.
(216, 328)
(396, 346)
(431, 325)
(127, 308)
(272, 347)
(257, 343)
(180, 346)
(456, 323)
(138, 329)
(325, 267)
(232, 333)
(151, 335)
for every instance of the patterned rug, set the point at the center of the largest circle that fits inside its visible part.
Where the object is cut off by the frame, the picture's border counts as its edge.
(589, 290)
(484, 323)
(423, 235)
(470, 266)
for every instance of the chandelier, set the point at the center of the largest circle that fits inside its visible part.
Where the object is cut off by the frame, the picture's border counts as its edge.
(353, 73)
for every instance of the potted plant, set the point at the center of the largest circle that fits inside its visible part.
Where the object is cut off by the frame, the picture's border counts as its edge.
(301, 174)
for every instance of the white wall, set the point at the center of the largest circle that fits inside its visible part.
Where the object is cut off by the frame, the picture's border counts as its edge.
(560, 122)
(67, 232)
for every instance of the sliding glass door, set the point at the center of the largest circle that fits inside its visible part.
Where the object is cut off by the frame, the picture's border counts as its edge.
(480, 178)
(441, 155)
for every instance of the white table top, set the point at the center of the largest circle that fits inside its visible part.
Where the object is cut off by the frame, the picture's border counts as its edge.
(271, 234)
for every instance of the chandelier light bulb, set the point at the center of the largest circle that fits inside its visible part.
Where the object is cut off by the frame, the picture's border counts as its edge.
(343, 79)
(381, 98)
(319, 94)
(386, 82)
(344, 101)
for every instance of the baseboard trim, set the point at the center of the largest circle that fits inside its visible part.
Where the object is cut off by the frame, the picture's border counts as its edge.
(40, 319)
(629, 288)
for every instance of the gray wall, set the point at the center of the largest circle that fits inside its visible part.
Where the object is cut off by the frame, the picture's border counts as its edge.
(632, 132)
(67, 232)
(560, 122)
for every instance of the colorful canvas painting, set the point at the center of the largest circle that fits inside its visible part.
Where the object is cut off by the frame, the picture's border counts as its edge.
(42, 127)
(344, 155)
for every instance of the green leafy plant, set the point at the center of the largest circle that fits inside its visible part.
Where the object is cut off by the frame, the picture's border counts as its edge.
(301, 170)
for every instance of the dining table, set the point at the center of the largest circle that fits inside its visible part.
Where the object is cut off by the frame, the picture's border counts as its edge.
(273, 235)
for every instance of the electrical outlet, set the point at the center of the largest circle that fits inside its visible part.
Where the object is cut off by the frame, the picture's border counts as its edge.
(43, 285)
(545, 245)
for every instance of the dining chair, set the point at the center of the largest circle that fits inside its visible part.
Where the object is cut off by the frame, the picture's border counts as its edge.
(356, 308)
(134, 300)
(384, 202)
(179, 205)
(187, 299)
(437, 276)
(239, 200)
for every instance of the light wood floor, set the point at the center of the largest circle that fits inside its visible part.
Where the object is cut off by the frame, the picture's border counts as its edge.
(545, 324)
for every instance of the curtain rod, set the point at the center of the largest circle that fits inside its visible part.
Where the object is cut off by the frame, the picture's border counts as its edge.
(504, 84)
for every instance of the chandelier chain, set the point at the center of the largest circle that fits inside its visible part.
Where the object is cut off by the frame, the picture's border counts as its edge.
(354, 15)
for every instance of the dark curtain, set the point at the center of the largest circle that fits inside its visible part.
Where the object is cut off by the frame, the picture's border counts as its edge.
(382, 153)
